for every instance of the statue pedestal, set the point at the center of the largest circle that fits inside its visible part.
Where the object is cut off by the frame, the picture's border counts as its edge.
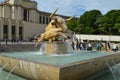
(56, 48)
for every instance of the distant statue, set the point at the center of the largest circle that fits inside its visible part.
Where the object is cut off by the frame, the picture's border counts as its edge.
(57, 27)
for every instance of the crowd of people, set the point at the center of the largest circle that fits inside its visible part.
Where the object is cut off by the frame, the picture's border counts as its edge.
(85, 45)
(94, 45)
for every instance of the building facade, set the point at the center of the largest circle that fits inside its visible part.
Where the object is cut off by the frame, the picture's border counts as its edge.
(21, 19)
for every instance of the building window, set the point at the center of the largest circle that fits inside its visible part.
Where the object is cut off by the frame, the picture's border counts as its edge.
(43, 19)
(20, 32)
(13, 32)
(5, 31)
(40, 19)
(47, 20)
(28, 15)
(25, 15)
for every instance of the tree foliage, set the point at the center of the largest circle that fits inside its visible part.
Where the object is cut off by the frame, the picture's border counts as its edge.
(93, 22)
(72, 25)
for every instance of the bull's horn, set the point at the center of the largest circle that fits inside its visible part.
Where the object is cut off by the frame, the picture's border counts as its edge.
(53, 13)
(70, 18)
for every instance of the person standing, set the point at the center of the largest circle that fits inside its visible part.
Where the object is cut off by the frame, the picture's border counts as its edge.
(73, 45)
(89, 46)
(115, 47)
(77, 44)
(97, 46)
(106, 46)
(6, 41)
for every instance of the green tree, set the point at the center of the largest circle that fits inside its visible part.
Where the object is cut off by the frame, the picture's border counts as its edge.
(117, 20)
(93, 22)
(116, 27)
(72, 25)
(104, 25)
(113, 14)
(88, 20)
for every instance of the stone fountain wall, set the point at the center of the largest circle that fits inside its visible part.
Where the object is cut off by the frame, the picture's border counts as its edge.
(74, 71)
(56, 48)
(85, 69)
(18, 47)
(30, 70)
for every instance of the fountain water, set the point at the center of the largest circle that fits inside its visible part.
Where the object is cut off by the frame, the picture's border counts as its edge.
(3, 67)
(12, 76)
(54, 45)
(107, 74)
(110, 68)
(117, 67)
(11, 72)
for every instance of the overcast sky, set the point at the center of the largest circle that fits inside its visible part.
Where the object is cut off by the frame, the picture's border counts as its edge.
(71, 7)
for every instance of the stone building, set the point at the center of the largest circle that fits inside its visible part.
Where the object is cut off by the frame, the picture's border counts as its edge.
(21, 19)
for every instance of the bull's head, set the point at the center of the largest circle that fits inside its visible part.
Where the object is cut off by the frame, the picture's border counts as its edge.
(59, 22)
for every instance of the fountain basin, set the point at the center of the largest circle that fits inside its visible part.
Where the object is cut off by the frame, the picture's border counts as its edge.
(77, 66)
(56, 48)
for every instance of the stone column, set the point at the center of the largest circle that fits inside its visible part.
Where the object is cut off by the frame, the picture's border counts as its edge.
(1, 29)
(19, 17)
(3, 11)
(14, 12)
(17, 29)
(9, 30)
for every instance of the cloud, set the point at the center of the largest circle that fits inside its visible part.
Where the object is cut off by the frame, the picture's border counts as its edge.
(101, 5)
(65, 7)
(71, 7)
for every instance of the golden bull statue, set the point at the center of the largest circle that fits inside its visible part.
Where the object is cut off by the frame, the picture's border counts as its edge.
(49, 35)
(56, 27)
